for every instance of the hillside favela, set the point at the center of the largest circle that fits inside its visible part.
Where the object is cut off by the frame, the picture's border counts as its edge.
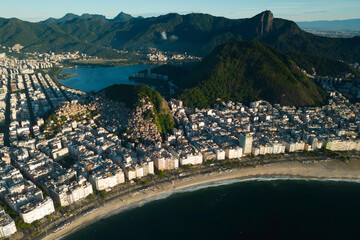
(225, 124)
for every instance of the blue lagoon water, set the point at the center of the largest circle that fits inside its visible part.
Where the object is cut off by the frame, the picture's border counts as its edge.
(278, 209)
(97, 78)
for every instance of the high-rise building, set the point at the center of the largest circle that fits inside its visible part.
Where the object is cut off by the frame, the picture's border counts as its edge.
(245, 141)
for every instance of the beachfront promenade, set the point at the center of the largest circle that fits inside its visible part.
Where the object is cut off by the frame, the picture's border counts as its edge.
(200, 176)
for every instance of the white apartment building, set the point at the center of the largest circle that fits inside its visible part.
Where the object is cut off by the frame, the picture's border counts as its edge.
(36, 210)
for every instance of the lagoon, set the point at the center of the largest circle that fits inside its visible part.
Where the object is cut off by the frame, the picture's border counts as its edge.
(97, 78)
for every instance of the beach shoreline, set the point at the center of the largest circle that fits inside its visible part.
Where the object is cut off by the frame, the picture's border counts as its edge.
(331, 170)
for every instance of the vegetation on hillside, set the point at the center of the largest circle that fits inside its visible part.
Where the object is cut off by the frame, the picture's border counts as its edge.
(322, 66)
(287, 37)
(131, 94)
(245, 71)
(42, 37)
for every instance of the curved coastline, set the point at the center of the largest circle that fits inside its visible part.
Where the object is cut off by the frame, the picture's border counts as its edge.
(333, 170)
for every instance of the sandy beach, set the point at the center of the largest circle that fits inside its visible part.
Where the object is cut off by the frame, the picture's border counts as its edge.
(330, 170)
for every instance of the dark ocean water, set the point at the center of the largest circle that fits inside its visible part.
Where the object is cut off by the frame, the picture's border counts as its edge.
(278, 209)
(97, 78)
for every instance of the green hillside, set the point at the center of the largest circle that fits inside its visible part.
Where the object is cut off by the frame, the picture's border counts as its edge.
(287, 37)
(131, 94)
(245, 71)
(42, 37)
(322, 66)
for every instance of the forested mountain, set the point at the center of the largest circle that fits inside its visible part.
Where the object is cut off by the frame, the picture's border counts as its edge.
(197, 34)
(244, 71)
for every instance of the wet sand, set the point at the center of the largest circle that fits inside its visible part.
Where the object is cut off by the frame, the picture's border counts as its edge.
(331, 170)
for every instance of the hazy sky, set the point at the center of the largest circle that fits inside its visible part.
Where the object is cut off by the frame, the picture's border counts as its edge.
(297, 10)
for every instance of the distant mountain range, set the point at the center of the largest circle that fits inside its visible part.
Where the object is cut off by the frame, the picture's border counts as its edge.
(336, 25)
(121, 17)
(197, 34)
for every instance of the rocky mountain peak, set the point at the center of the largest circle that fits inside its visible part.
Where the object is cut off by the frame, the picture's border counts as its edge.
(264, 22)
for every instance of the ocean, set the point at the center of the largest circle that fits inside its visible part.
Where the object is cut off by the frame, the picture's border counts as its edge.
(262, 209)
(97, 78)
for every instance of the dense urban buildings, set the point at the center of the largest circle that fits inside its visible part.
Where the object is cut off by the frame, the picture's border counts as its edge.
(67, 144)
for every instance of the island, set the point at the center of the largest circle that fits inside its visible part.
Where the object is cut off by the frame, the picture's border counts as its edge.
(65, 76)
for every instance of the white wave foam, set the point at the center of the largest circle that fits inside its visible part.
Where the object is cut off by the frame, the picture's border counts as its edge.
(209, 185)
(262, 179)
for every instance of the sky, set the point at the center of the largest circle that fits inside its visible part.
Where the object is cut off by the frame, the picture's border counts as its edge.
(296, 10)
